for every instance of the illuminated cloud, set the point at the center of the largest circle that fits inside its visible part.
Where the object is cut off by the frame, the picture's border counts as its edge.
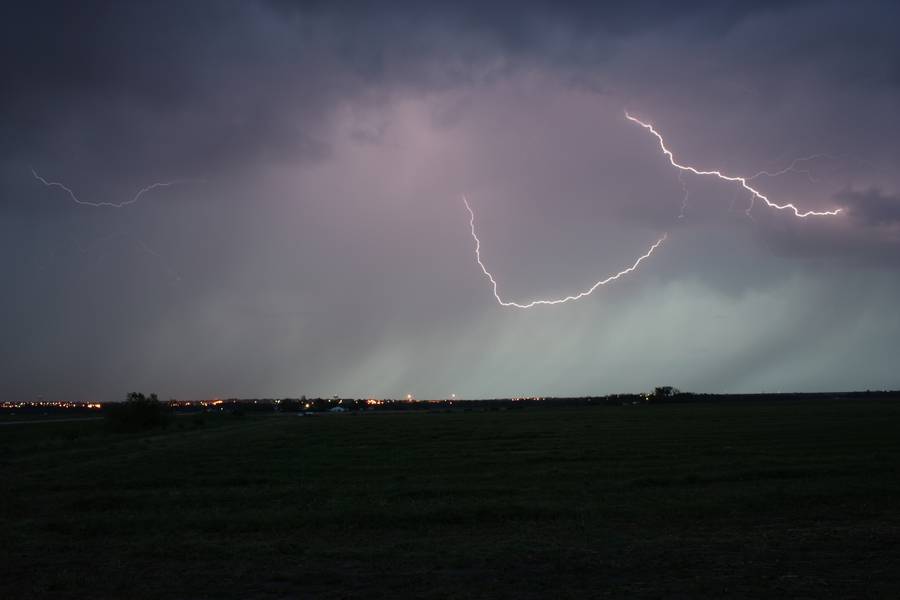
(328, 251)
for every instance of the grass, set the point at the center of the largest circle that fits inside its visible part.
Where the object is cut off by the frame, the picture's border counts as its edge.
(744, 500)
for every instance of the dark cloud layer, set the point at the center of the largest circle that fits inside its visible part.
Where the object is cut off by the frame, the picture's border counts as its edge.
(327, 252)
(235, 82)
(872, 206)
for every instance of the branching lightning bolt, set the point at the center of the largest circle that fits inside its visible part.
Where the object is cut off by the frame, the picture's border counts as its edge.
(141, 244)
(572, 298)
(136, 197)
(792, 168)
(743, 181)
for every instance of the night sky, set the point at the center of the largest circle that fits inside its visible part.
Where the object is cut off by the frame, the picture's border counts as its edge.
(317, 242)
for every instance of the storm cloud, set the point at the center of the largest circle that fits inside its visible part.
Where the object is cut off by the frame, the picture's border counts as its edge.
(327, 250)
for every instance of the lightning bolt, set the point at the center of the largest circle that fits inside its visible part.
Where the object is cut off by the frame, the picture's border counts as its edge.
(792, 168)
(141, 244)
(687, 194)
(572, 298)
(141, 192)
(172, 273)
(743, 181)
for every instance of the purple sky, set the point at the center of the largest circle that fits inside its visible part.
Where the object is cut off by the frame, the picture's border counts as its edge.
(327, 249)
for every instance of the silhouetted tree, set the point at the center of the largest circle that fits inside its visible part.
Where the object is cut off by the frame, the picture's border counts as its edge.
(138, 413)
(663, 393)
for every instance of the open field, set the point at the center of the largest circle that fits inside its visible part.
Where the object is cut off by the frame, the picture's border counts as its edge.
(749, 500)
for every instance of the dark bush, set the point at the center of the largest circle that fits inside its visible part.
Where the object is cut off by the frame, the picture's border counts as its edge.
(289, 405)
(138, 413)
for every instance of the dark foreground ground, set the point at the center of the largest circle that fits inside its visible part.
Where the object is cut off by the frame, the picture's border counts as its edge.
(752, 500)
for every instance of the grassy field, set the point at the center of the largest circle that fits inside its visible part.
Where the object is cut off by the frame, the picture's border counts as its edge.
(752, 500)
